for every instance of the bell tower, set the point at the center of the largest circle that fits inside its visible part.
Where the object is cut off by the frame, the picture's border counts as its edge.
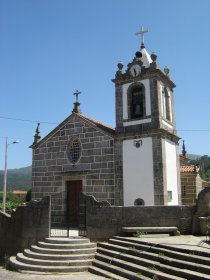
(146, 146)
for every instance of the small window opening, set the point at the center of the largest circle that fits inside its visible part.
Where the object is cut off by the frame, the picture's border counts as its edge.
(137, 103)
(74, 150)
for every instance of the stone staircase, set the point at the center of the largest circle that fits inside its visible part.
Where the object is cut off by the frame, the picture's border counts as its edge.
(128, 258)
(54, 255)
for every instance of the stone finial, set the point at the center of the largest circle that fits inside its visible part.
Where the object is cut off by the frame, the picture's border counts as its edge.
(76, 108)
(37, 136)
(167, 70)
(184, 152)
(120, 65)
(119, 71)
(153, 57)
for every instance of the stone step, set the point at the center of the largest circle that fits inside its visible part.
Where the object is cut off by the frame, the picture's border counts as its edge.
(105, 273)
(67, 240)
(17, 265)
(21, 258)
(31, 254)
(173, 252)
(132, 271)
(56, 255)
(118, 271)
(166, 246)
(65, 246)
(138, 265)
(160, 257)
(161, 263)
(123, 252)
(84, 250)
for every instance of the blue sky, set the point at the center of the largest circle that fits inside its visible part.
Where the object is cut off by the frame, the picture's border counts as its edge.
(50, 48)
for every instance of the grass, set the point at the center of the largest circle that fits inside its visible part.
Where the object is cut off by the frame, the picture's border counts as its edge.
(152, 267)
(139, 234)
(131, 248)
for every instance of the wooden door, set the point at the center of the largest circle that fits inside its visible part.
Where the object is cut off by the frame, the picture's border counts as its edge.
(73, 190)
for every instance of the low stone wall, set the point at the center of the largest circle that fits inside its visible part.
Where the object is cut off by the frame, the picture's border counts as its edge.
(201, 220)
(103, 221)
(27, 225)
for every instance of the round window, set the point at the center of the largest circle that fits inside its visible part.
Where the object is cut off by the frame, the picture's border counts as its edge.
(74, 150)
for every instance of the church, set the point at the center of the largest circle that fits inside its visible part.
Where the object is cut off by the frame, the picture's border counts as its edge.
(135, 163)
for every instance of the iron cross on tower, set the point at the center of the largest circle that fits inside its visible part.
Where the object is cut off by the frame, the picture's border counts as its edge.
(141, 32)
(77, 94)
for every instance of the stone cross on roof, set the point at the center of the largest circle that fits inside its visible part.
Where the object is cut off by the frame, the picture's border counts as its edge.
(76, 104)
(141, 32)
(77, 94)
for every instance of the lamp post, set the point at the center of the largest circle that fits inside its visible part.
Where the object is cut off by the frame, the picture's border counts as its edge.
(5, 175)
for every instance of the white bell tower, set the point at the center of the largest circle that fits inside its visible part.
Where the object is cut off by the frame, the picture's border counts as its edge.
(146, 146)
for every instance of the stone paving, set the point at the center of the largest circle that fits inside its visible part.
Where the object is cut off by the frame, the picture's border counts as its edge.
(198, 243)
(12, 275)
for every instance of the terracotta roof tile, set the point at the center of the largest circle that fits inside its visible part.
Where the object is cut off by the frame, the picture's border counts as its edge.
(187, 168)
(97, 123)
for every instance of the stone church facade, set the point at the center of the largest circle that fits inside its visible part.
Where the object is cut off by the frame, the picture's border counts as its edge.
(136, 163)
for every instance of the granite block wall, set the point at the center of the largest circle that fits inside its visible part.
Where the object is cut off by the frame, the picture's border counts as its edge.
(103, 222)
(24, 227)
(51, 167)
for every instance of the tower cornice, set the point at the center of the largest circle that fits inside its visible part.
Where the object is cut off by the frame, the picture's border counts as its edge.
(147, 73)
(154, 132)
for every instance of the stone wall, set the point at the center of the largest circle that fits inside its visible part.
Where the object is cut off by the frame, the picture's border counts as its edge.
(103, 222)
(26, 226)
(191, 185)
(201, 219)
(51, 167)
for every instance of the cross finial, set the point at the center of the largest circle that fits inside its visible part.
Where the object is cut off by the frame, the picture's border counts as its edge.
(77, 94)
(76, 103)
(141, 32)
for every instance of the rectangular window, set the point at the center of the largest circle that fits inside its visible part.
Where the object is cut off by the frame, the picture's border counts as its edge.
(169, 196)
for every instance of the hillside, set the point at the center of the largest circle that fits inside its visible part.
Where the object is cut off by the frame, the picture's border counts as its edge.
(19, 178)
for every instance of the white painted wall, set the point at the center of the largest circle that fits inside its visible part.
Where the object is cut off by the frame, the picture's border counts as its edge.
(147, 100)
(171, 171)
(138, 172)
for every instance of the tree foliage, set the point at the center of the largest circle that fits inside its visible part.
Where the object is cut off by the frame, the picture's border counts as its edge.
(204, 163)
(12, 201)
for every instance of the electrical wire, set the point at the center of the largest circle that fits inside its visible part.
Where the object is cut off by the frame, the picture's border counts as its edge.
(24, 120)
(56, 123)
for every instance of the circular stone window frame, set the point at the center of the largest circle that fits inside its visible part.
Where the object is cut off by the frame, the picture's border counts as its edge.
(70, 151)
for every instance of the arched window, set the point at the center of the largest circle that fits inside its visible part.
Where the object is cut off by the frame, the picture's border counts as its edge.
(136, 102)
(139, 202)
(166, 104)
(74, 150)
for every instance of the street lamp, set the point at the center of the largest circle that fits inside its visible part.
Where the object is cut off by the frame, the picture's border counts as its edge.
(5, 175)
